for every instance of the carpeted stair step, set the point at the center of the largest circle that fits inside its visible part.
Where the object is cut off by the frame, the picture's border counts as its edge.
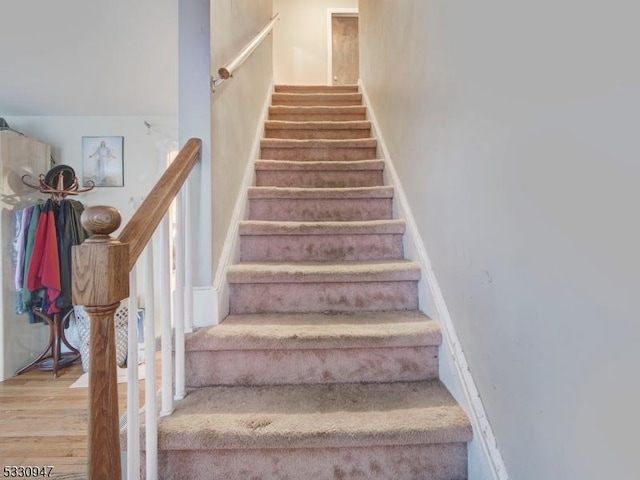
(297, 150)
(325, 369)
(272, 241)
(320, 204)
(400, 431)
(323, 174)
(305, 114)
(308, 348)
(323, 287)
(317, 130)
(315, 88)
(317, 99)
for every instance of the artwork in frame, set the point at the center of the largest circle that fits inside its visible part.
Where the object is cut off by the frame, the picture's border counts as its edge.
(103, 161)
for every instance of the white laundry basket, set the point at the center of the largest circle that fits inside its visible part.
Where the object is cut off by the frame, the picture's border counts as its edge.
(83, 324)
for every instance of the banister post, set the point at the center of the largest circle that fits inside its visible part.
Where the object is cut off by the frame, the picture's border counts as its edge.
(100, 282)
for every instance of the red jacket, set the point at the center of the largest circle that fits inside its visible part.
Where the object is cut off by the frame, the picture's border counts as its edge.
(44, 270)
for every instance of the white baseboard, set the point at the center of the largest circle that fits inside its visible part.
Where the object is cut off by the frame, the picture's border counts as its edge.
(485, 459)
(219, 306)
(205, 306)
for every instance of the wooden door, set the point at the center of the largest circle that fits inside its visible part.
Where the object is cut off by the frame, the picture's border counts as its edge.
(345, 58)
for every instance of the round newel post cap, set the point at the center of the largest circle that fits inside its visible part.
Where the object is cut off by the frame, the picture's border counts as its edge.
(101, 221)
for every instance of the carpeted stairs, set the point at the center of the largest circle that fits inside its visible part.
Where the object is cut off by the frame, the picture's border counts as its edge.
(325, 367)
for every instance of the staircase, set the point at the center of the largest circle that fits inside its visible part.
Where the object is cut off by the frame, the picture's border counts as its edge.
(325, 367)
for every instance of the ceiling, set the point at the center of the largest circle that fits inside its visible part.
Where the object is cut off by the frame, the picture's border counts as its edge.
(75, 57)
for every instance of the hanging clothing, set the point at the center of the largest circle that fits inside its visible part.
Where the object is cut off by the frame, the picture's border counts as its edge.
(20, 248)
(45, 233)
(25, 219)
(70, 233)
(15, 238)
(44, 271)
(28, 297)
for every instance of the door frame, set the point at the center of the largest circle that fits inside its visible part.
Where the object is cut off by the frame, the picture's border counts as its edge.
(337, 12)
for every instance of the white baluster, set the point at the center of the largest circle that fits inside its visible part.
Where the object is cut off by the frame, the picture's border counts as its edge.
(178, 305)
(164, 314)
(133, 395)
(151, 422)
(188, 258)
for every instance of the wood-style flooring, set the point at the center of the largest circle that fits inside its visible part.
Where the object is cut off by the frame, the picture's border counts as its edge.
(43, 422)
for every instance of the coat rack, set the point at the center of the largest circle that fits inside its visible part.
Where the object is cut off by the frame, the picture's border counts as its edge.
(59, 182)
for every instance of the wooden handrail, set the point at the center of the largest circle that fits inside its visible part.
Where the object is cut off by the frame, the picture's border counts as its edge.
(101, 267)
(144, 222)
(225, 72)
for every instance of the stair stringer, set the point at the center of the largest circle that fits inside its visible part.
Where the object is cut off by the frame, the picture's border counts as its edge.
(484, 458)
(230, 253)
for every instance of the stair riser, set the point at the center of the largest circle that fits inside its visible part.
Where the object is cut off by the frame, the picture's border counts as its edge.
(310, 134)
(312, 366)
(317, 99)
(316, 88)
(286, 248)
(319, 178)
(317, 117)
(323, 297)
(444, 461)
(330, 153)
(320, 209)
(327, 102)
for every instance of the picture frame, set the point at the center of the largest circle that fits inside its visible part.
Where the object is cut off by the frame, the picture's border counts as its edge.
(103, 161)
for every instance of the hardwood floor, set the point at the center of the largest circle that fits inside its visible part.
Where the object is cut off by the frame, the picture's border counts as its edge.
(43, 422)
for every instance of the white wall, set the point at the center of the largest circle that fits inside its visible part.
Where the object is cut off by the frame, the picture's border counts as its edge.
(300, 40)
(513, 128)
(141, 151)
(194, 114)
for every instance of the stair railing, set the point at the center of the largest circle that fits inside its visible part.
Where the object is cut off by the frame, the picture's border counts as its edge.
(104, 274)
(225, 72)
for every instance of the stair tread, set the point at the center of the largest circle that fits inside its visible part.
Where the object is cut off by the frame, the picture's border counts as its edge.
(318, 125)
(311, 272)
(367, 227)
(335, 95)
(314, 193)
(318, 108)
(302, 88)
(318, 143)
(319, 165)
(315, 416)
(317, 331)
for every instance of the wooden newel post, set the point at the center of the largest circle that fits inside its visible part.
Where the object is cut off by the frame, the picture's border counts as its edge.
(100, 282)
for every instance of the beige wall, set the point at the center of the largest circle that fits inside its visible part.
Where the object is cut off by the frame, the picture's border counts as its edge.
(300, 40)
(20, 341)
(513, 128)
(237, 103)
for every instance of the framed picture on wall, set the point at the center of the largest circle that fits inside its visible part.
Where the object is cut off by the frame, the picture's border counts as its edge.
(103, 161)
